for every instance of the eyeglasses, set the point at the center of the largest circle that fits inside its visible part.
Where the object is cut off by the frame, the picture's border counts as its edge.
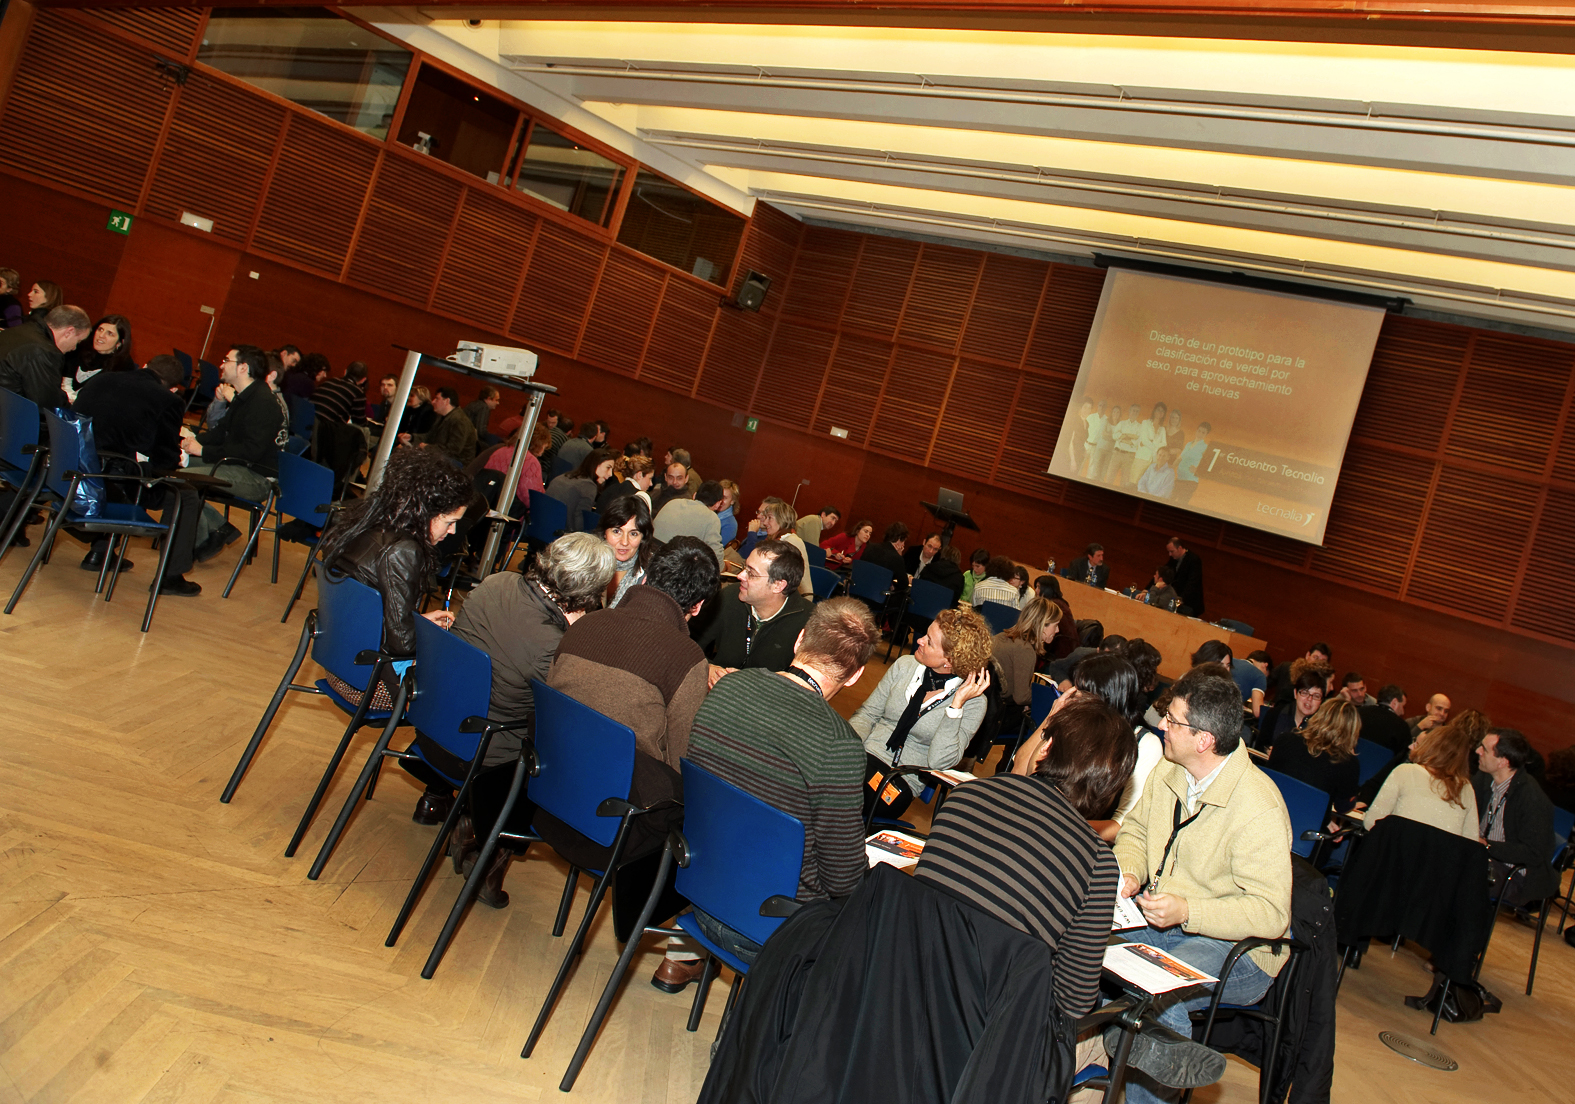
(1171, 722)
(752, 573)
(1310, 694)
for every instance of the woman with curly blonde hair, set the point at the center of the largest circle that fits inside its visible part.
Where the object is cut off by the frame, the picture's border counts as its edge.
(1323, 753)
(927, 708)
(1435, 786)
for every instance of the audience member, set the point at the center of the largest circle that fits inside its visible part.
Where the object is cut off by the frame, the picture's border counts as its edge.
(289, 356)
(1353, 688)
(1228, 878)
(577, 490)
(626, 527)
(301, 374)
(1517, 819)
(1146, 659)
(1017, 650)
(32, 354)
(106, 349)
(343, 398)
(561, 426)
(508, 425)
(1435, 786)
(814, 528)
(1383, 722)
(502, 458)
(684, 515)
(758, 618)
(1325, 756)
(1319, 655)
(1161, 590)
(774, 521)
(1252, 679)
(1189, 575)
(480, 411)
(926, 562)
(637, 665)
(1019, 581)
(978, 565)
(843, 548)
(377, 413)
(11, 312)
(1437, 714)
(578, 448)
(452, 433)
(518, 620)
(926, 708)
(242, 450)
(140, 413)
(418, 417)
(43, 297)
(887, 553)
(773, 735)
(681, 456)
(1306, 697)
(1216, 652)
(1019, 847)
(996, 586)
(1090, 568)
(1066, 637)
(675, 484)
(632, 475)
(726, 517)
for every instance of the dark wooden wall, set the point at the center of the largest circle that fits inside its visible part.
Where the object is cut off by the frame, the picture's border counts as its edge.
(1448, 542)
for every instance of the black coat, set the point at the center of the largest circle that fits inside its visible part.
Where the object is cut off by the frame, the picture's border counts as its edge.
(30, 364)
(1189, 581)
(1411, 879)
(1077, 571)
(134, 412)
(394, 565)
(1528, 831)
(248, 431)
(940, 571)
(882, 554)
(771, 647)
(904, 995)
(1384, 727)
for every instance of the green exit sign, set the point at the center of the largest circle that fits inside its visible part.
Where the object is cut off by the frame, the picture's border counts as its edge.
(752, 424)
(119, 222)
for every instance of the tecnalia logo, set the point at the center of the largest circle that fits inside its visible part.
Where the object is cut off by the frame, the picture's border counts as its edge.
(1289, 513)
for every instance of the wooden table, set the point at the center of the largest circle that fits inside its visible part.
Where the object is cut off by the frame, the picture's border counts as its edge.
(1175, 636)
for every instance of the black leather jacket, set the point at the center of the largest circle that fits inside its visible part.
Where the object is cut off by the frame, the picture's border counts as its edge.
(394, 565)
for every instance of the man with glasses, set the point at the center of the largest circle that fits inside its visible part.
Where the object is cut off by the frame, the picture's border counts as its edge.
(242, 449)
(757, 622)
(1207, 854)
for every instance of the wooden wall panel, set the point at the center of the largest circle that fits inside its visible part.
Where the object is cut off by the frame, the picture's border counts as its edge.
(403, 233)
(59, 237)
(853, 383)
(915, 395)
(1411, 383)
(216, 156)
(732, 363)
(622, 312)
(1373, 520)
(822, 275)
(941, 295)
(1030, 438)
(975, 419)
(1004, 308)
(678, 339)
(880, 285)
(558, 286)
(1472, 543)
(1509, 406)
(1547, 600)
(794, 370)
(1065, 317)
(1205, 532)
(486, 260)
(768, 248)
(309, 214)
(173, 30)
(85, 110)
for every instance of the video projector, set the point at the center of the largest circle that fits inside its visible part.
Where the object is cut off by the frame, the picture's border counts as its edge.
(499, 360)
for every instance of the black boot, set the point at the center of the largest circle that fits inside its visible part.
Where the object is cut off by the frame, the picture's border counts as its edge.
(491, 892)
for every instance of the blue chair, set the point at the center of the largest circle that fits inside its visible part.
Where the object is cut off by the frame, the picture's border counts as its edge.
(549, 520)
(306, 493)
(870, 583)
(345, 635)
(738, 860)
(560, 466)
(259, 513)
(185, 367)
(207, 386)
(1563, 827)
(1234, 626)
(592, 520)
(580, 763)
(816, 555)
(1308, 808)
(449, 684)
(925, 600)
(68, 470)
(999, 615)
(824, 582)
(1044, 696)
(21, 460)
(1372, 757)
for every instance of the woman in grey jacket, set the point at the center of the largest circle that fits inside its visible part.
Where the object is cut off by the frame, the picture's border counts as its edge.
(927, 708)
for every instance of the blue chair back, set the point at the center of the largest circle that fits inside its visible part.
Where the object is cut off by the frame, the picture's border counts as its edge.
(453, 682)
(816, 554)
(870, 582)
(926, 599)
(349, 621)
(1563, 825)
(66, 454)
(741, 852)
(1372, 757)
(207, 380)
(18, 429)
(1043, 698)
(1234, 626)
(185, 367)
(593, 521)
(825, 582)
(1307, 808)
(583, 757)
(303, 487)
(999, 615)
(548, 518)
(303, 412)
(560, 466)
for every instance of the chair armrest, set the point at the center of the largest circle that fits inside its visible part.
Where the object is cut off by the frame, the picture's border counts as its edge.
(1105, 1013)
(484, 724)
(30, 450)
(779, 906)
(370, 656)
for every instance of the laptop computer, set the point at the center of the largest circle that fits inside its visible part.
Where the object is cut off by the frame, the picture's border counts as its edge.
(951, 501)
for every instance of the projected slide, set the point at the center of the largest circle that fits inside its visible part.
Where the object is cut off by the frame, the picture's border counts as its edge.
(1231, 402)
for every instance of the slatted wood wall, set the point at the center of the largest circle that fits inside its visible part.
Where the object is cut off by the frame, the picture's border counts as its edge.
(1458, 490)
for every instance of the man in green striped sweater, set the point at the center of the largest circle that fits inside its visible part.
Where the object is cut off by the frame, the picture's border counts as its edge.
(775, 735)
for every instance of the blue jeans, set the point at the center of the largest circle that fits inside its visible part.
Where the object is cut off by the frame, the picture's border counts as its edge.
(740, 946)
(1247, 985)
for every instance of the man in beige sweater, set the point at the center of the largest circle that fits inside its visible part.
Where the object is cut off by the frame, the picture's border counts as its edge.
(1207, 851)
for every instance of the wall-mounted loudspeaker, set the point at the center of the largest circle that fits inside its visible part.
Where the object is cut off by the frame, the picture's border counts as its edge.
(752, 292)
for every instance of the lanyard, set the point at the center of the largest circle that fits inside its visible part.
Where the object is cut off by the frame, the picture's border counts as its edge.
(1177, 825)
(807, 677)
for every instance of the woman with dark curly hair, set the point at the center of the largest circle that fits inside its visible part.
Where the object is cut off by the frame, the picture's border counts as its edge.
(927, 708)
(386, 541)
(627, 529)
(106, 349)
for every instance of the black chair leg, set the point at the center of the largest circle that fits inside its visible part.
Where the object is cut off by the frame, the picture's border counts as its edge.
(300, 584)
(103, 568)
(362, 785)
(567, 900)
(355, 724)
(163, 567)
(1536, 945)
(697, 1009)
(44, 545)
(733, 993)
(251, 544)
(477, 874)
(593, 1028)
(26, 494)
(273, 707)
(577, 942)
(434, 856)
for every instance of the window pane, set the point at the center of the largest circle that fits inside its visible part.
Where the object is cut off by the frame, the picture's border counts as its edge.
(462, 125)
(680, 228)
(311, 57)
(570, 177)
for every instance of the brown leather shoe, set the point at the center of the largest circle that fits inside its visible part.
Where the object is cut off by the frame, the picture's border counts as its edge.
(462, 841)
(674, 975)
(491, 893)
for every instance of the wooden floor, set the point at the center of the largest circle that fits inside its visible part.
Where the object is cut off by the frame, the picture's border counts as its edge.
(156, 945)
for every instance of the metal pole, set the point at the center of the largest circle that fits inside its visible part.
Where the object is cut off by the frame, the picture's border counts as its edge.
(511, 482)
(396, 411)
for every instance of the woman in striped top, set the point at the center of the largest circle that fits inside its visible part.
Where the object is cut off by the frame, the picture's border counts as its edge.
(1020, 848)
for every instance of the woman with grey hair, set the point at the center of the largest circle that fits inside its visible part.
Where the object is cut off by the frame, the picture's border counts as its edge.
(775, 521)
(518, 620)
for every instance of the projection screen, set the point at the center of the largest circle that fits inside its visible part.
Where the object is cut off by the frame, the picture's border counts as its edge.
(1231, 402)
